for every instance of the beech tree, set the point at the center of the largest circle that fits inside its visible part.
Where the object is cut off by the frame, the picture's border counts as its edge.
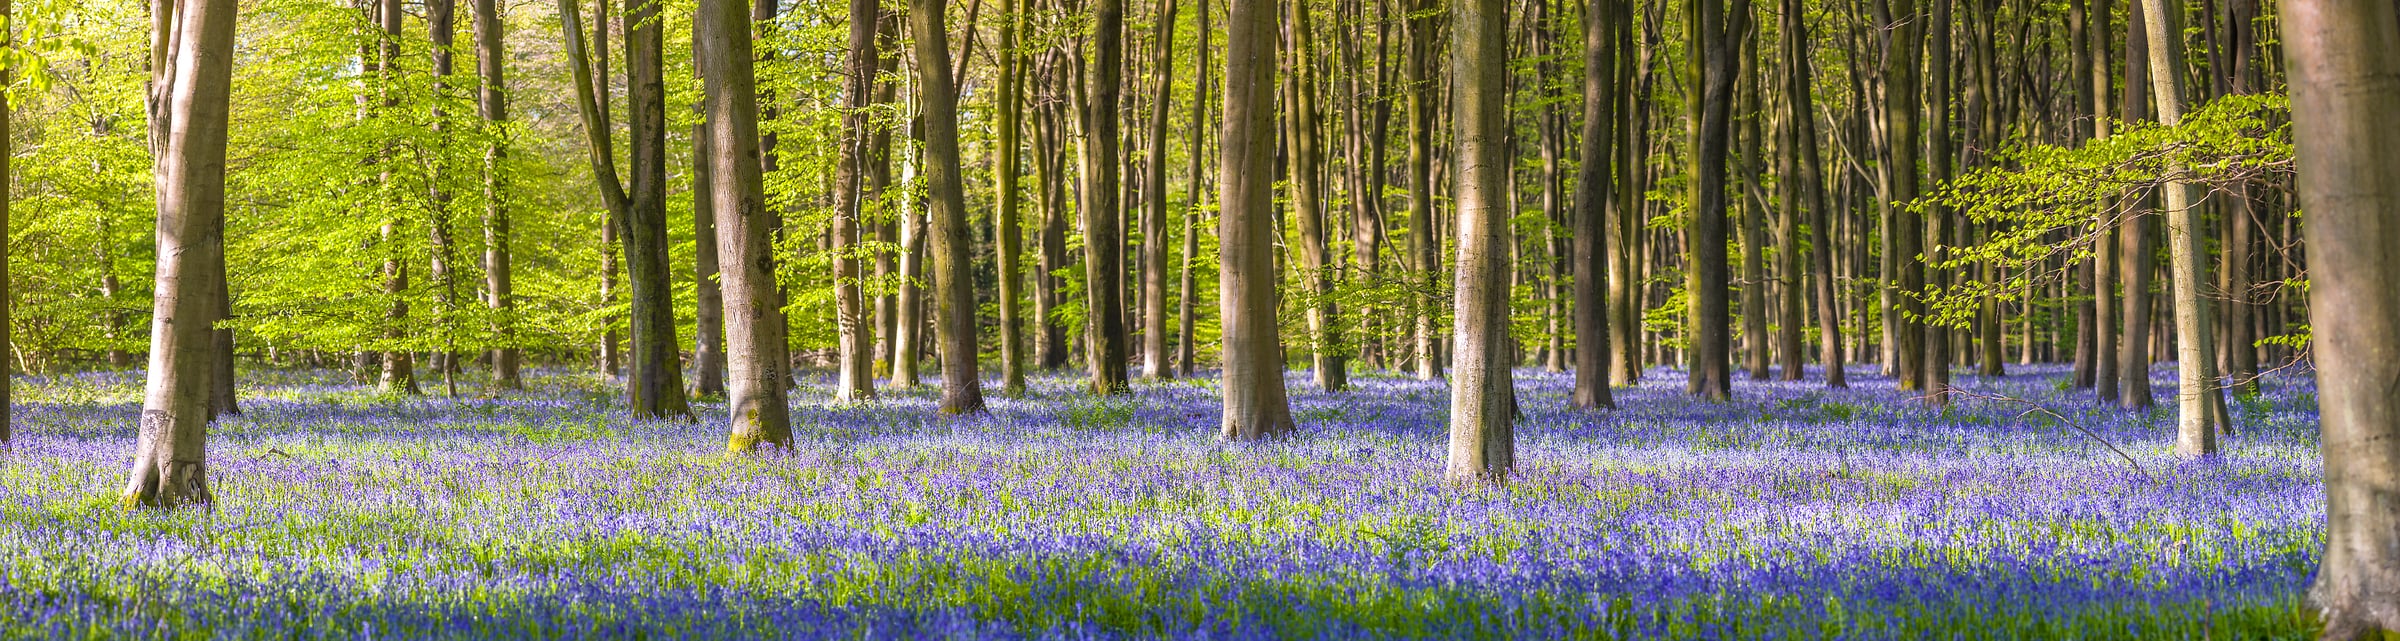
(1101, 203)
(191, 79)
(953, 284)
(1483, 441)
(2342, 56)
(1601, 19)
(855, 355)
(1255, 403)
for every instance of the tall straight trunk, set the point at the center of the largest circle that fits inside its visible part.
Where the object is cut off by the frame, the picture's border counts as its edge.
(654, 387)
(1423, 242)
(1904, 337)
(491, 103)
(1255, 403)
(2342, 59)
(2105, 273)
(191, 64)
(908, 306)
(855, 359)
(1184, 320)
(611, 351)
(1625, 219)
(886, 218)
(743, 225)
(1935, 360)
(1789, 282)
(8, 415)
(1601, 19)
(1753, 233)
(1154, 210)
(1551, 128)
(1370, 131)
(1304, 160)
(441, 20)
(2135, 267)
(2200, 403)
(1050, 340)
(1103, 237)
(399, 371)
(708, 297)
(953, 253)
(1711, 38)
(1009, 234)
(1482, 414)
(1799, 108)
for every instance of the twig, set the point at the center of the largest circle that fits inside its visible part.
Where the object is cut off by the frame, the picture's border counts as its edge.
(2034, 408)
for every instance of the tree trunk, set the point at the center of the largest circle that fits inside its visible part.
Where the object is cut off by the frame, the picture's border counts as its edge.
(953, 255)
(708, 319)
(441, 19)
(855, 359)
(1423, 242)
(1904, 338)
(1050, 340)
(738, 204)
(2105, 263)
(1184, 320)
(1935, 361)
(2200, 404)
(654, 387)
(1799, 108)
(1755, 341)
(1304, 161)
(191, 77)
(1103, 238)
(1712, 41)
(1154, 209)
(491, 103)
(1255, 403)
(1601, 19)
(2135, 266)
(1482, 415)
(2343, 55)
(1009, 235)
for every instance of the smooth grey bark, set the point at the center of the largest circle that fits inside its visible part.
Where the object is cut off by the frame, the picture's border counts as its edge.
(2105, 309)
(1601, 19)
(1754, 348)
(1154, 205)
(2199, 401)
(708, 294)
(491, 103)
(1800, 109)
(854, 344)
(1103, 237)
(1305, 162)
(1184, 307)
(2343, 57)
(191, 78)
(1008, 233)
(1424, 243)
(754, 322)
(2135, 265)
(1904, 339)
(1256, 405)
(1940, 162)
(946, 211)
(1482, 447)
(399, 366)
(1712, 39)
(441, 20)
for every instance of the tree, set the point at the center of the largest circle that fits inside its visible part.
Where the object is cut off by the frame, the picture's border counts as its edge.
(1154, 209)
(191, 78)
(753, 315)
(1482, 435)
(399, 366)
(1905, 342)
(1423, 244)
(1801, 112)
(7, 299)
(2199, 402)
(1103, 237)
(1601, 19)
(1009, 232)
(2104, 228)
(2343, 55)
(1255, 403)
(654, 387)
(855, 351)
(2134, 234)
(1184, 321)
(1713, 38)
(953, 279)
(708, 292)
(1305, 163)
(441, 19)
(491, 103)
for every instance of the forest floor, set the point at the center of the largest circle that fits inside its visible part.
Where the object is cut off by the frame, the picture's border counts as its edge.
(1793, 511)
